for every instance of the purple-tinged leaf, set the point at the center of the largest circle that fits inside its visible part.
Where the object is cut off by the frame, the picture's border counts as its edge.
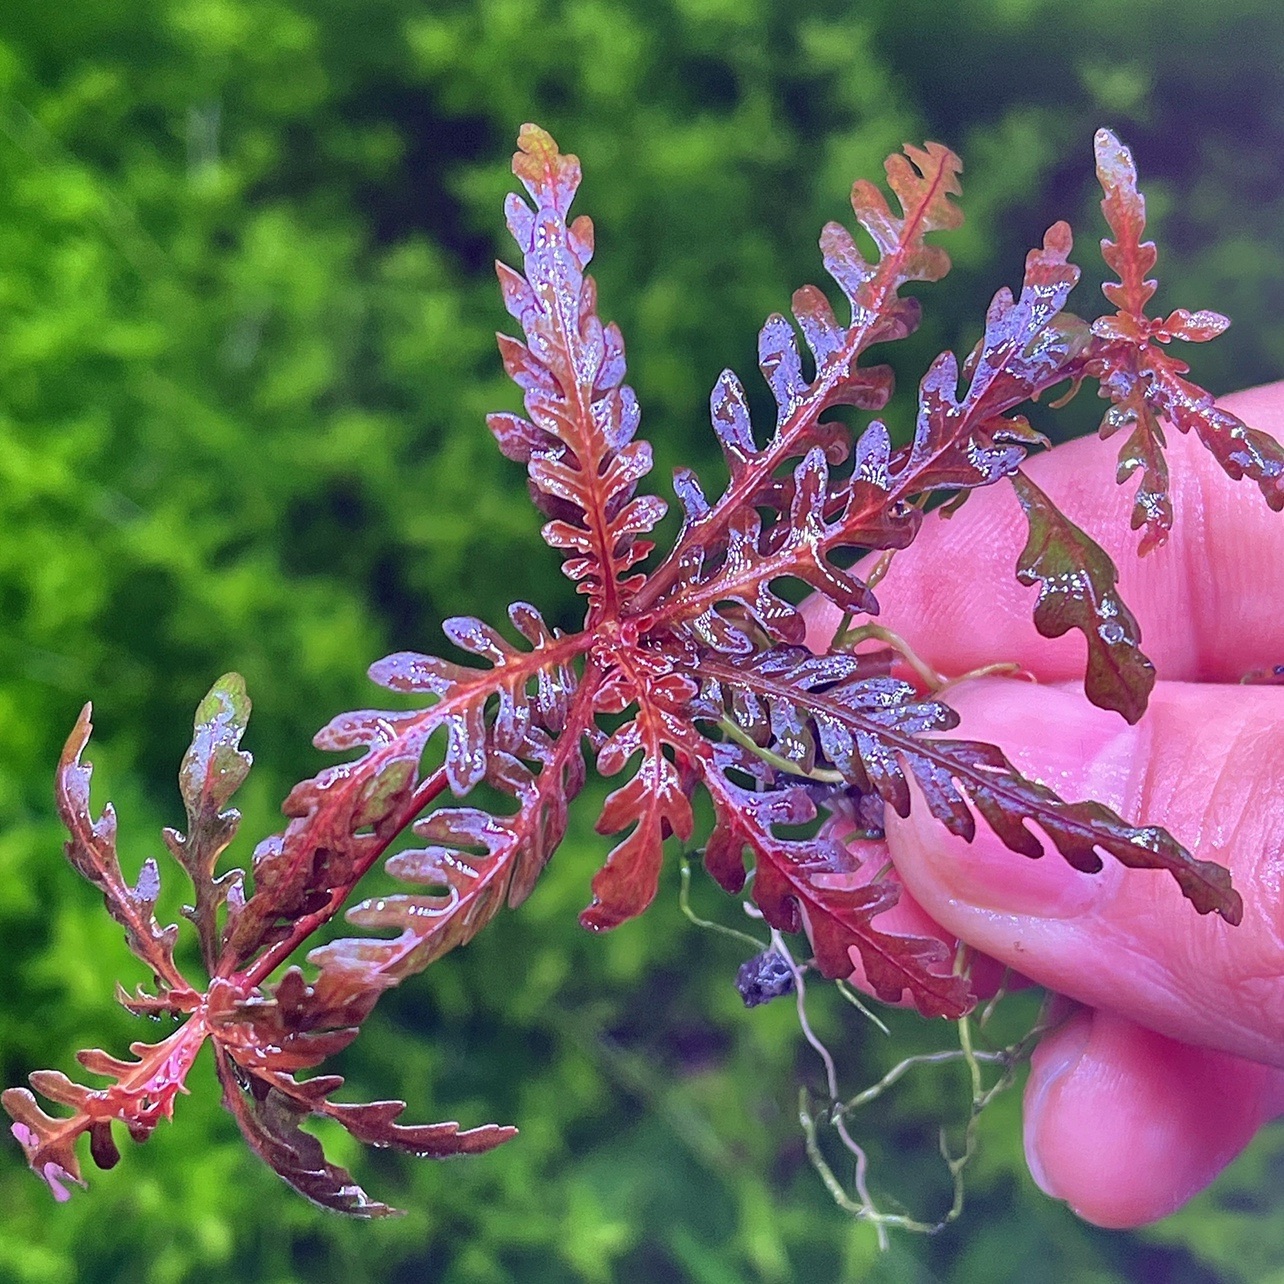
(781, 365)
(871, 731)
(800, 546)
(1027, 346)
(1242, 452)
(475, 864)
(925, 180)
(374, 1123)
(729, 412)
(820, 327)
(764, 977)
(578, 444)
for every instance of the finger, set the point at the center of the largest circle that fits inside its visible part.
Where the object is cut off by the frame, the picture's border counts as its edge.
(1208, 762)
(1207, 601)
(1126, 1125)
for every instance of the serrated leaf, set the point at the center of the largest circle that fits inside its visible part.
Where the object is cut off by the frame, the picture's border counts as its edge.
(1145, 383)
(270, 1106)
(925, 181)
(579, 445)
(91, 850)
(872, 732)
(213, 768)
(814, 885)
(652, 804)
(1028, 345)
(141, 1094)
(1127, 255)
(1078, 590)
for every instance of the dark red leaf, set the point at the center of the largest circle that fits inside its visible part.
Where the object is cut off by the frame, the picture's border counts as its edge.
(813, 885)
(270, 1106)
(1077, 590)
(653, 802)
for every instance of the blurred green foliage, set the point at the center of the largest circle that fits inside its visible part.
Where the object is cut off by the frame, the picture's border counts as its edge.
(246, 317)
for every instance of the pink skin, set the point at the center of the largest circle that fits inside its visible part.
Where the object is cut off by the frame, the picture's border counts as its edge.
(1177, 1056)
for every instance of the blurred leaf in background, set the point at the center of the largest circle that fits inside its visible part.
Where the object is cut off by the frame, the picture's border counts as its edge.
(246, 346)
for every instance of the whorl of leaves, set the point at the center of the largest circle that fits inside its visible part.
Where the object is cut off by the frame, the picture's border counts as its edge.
(690, 676)
(262, 1039)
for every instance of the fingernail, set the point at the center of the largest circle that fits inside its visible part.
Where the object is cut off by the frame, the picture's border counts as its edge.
(1054, 1061)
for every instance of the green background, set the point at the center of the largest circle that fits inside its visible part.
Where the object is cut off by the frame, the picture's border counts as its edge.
(246, 346)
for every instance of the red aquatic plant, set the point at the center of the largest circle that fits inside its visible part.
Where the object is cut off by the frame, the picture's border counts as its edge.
(689, 676)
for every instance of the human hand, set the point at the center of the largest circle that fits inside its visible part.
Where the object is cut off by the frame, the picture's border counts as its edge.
(1177, 1058)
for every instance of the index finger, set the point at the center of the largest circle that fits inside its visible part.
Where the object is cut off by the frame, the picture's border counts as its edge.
(1210, 602)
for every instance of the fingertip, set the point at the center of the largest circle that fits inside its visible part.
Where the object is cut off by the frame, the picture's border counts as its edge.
(1125, 1125)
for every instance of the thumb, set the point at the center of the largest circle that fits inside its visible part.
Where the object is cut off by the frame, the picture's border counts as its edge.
(1126, 1125)
(1207, 763)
